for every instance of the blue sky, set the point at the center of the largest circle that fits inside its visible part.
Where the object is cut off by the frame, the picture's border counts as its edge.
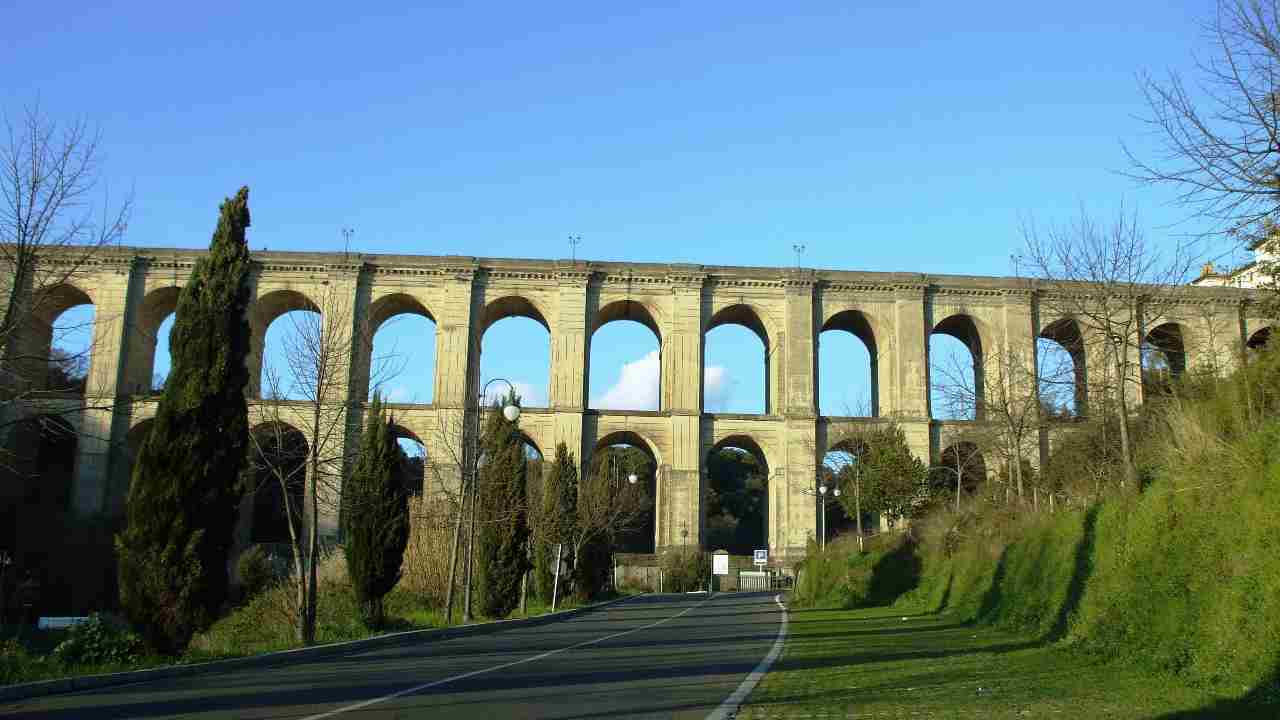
(882, 137)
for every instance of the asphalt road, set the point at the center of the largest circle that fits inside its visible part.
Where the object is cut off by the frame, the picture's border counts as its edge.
(655, 656)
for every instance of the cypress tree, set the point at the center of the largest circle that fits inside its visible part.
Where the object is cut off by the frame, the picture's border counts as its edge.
(376, 517)
(559, 510)
(184, 496)
(501, 558)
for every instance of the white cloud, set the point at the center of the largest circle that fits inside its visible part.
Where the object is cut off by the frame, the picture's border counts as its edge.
(636, 388)
(638, 383)
(718, 388)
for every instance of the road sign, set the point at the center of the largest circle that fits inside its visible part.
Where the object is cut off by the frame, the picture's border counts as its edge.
(720, 564)
(761, 557)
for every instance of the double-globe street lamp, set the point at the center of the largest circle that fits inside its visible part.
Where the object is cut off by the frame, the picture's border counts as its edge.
(821, 494)
(511, 412)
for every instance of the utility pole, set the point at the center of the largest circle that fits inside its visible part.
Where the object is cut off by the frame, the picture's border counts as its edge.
(574, 242)
(346, 241)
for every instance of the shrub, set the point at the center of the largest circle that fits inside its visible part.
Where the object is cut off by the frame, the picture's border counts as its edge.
(425, 572)
(685, 570)
(256, 572)
(96, 641)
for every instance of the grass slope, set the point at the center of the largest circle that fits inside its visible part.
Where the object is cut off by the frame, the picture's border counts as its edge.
(1158, 602)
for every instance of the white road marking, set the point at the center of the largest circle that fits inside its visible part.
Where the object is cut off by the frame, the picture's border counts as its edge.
(730, 706)
(503, 666)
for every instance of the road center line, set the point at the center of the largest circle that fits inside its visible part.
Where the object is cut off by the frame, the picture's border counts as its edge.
(418, 688)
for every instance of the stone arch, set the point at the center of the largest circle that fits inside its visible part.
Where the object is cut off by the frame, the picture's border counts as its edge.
(1260, 338)
(416, 469)
(381, 310)
(623, 310)
(645, 537)
(751, 502)
(640, 312)
(265, 310)
(1163, 357)
(36, 341)
(503, 308)
(962, 459)
(969, 331)
(861, 326)
(278, 451)
(1066, 333)
(752, 318)
(512, 306)
(157, 305)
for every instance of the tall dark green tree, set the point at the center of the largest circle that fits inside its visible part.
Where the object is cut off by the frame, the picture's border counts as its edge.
(557, 515)
(185, 495)
(376, 516)
(501, 552)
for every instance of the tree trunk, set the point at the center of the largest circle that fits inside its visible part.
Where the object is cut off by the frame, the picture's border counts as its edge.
(1126, 456)
(453, 556)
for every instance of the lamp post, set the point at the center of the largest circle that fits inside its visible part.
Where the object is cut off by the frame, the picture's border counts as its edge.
(822, 493)
(511, 413)
(5, 561)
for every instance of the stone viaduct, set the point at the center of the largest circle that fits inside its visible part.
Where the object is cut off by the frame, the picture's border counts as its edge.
(893, 314)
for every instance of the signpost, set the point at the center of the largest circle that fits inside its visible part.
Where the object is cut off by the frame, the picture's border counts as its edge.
(761, 557)
(720, 564)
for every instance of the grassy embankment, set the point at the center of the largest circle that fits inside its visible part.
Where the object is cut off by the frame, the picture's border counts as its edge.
(1159, 602)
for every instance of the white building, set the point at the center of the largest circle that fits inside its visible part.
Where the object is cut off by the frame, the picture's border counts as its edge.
(1262, 271)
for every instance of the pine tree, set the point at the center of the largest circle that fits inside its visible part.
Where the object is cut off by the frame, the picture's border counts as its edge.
(184, 496)
(377, 517)
(501, 558)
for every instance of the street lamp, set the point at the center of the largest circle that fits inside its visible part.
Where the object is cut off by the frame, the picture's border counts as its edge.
(512, 413)
(822, 493)
(5, 561)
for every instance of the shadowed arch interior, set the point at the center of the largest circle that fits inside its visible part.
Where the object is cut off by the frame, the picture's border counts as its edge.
(857, 324)
(414, 459)
(1163, 357)
(737, 510)
(624, 453)
(961, 459)
(1260, 339)
(279, 459)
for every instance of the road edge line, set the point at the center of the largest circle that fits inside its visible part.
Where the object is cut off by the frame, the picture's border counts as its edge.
(730, 706)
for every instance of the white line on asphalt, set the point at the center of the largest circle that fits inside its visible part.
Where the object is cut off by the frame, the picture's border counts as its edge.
(730, 706)
(473, 673)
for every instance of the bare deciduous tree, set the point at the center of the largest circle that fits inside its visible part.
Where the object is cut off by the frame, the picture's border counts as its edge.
(317, 352)
(1221, 135)
(1115, 284)
(1007, 396)
(52, 223)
